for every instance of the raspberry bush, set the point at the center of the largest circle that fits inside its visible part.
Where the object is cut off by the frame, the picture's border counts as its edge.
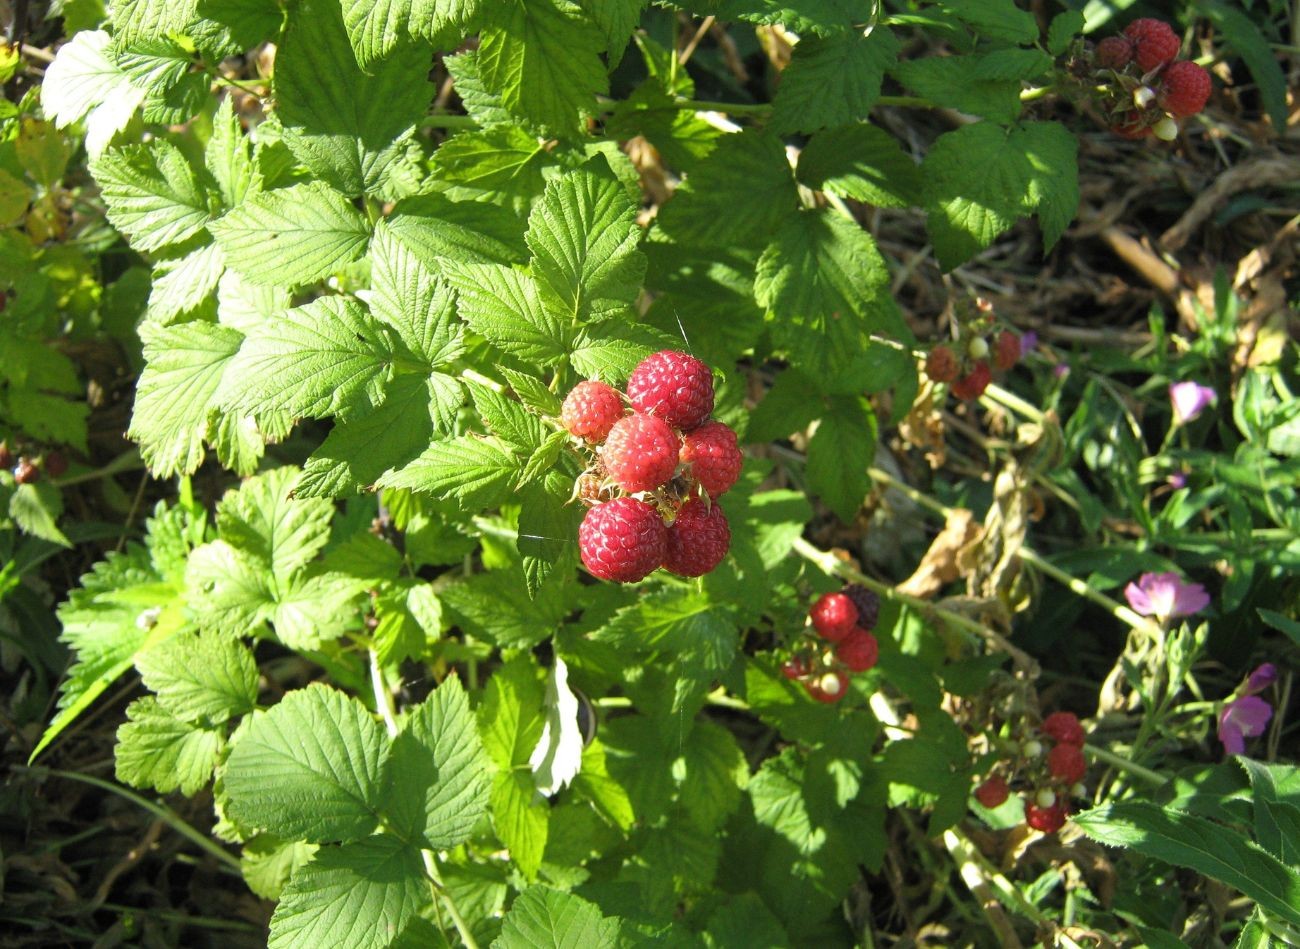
(607, 473)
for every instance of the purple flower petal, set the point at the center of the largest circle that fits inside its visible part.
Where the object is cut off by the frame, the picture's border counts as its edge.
(1165, 596)
(1234, 742)
(1261, 678)
(1138, 599)
(1189, 598)
(1189, 399)
(1243, 718)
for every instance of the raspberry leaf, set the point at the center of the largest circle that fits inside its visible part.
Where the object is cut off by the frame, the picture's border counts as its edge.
(292, 236)
(348, 126)
(358, 895)
(507, 308)
(440, 231)
(862, 162)
(503, 165)
(478, 473)
(996, 19)
(376, 27)
(409, 296)
(153, 194)
(156, 749)
(511, 721)
(953, 81)
(839, 453)
(310, 768)
(201, 678)
(833, 80)
(543, 917)
(85, 82)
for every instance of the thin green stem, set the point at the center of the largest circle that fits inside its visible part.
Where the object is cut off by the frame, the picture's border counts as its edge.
(1124, 764)
(462, 927)
(1032, 95)
(158, 810)
(383, 697)
(1012, 401)
(1118, 610)
(127, 461)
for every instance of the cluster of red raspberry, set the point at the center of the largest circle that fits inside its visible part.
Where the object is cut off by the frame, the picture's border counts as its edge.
(845, 620)
(1050, 781)
(971, 372)
(1148, 87)
(654, 472)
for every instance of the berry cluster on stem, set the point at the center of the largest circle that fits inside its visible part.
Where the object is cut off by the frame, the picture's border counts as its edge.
(844, 620)
(1049, 774)
(1140, 83)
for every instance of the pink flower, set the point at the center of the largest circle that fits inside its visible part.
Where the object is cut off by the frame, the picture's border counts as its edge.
(1028, 343)
(1243, 718)
(1189, 400)
(1165, 596)
(1177, 480)
(1263, 676)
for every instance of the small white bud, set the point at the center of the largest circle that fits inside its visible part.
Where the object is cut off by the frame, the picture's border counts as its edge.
(148, 619)
(1143, 96)
(1045, 798)
(1166, 129)
(978, 347)
(1032, 748)
(830, 684)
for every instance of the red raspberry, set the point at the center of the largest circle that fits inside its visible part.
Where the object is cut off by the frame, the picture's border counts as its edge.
(1047, 819)
(714, 457)
(698, 539)
(1063, 727)
(1006, 350)
(993, 792)
(828, 688)
(1114, 52)
(1184, 89)
(867, 602)
(941, 364)
(1154, 42)
(622, 540)
(972, 385)
(858, 650)
(673, 386)
(6, 456)
(640, 453)
(1066, 764)
(26, 472)
(590, 410)
(795, 668)
(834, 616)
(56, 463)
(1131, 125)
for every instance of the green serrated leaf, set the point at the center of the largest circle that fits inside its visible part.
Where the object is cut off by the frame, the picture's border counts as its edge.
(317, 609)
(1061, 32)
(152, 194)
(832, 80)
(1242, 33)
(543, 918)
(311, 768)
(478, 473)
(507, 308)
(267, 862)
(228, 156)
(437, 230)
(347, 125)
(822, 281)
(376, 27)
(503, 165)
(292, 236)
(176, 395)
(584, 236)
(862, 162)
(36, 509)
(183, 284)
(315, 360)
(201, 678)
(737, 195)
(996, 19)
(438, 781)
(540, 57)
(411, 298)
(532, 392)
(157, 750)
(839, 454)
(1185, 840)
(360, 895)
(84, 82)
(264, 520)
(228, 591)
(953, 81)
(507, 419)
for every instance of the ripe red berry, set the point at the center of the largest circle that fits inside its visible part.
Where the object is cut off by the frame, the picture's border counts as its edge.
(1047, 819)
(993, 792)
(622, 540)
(590, 410)
(1154, 42)
(1066, 763)
(834, 616)
(6, 456)
(673, 386)
(867, 602)
(829, 687)
(640, 453)
(858, 650)
(698, 539)
(714, 457)
(1184, 89)
(1114, 52)
(26, 472)
(972, 385)
(56, 463)
(1006, 350)
(941, 364)
(1063, 727)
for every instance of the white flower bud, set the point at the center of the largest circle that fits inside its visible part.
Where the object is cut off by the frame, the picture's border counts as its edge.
(1143, 96)
(830, 684)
